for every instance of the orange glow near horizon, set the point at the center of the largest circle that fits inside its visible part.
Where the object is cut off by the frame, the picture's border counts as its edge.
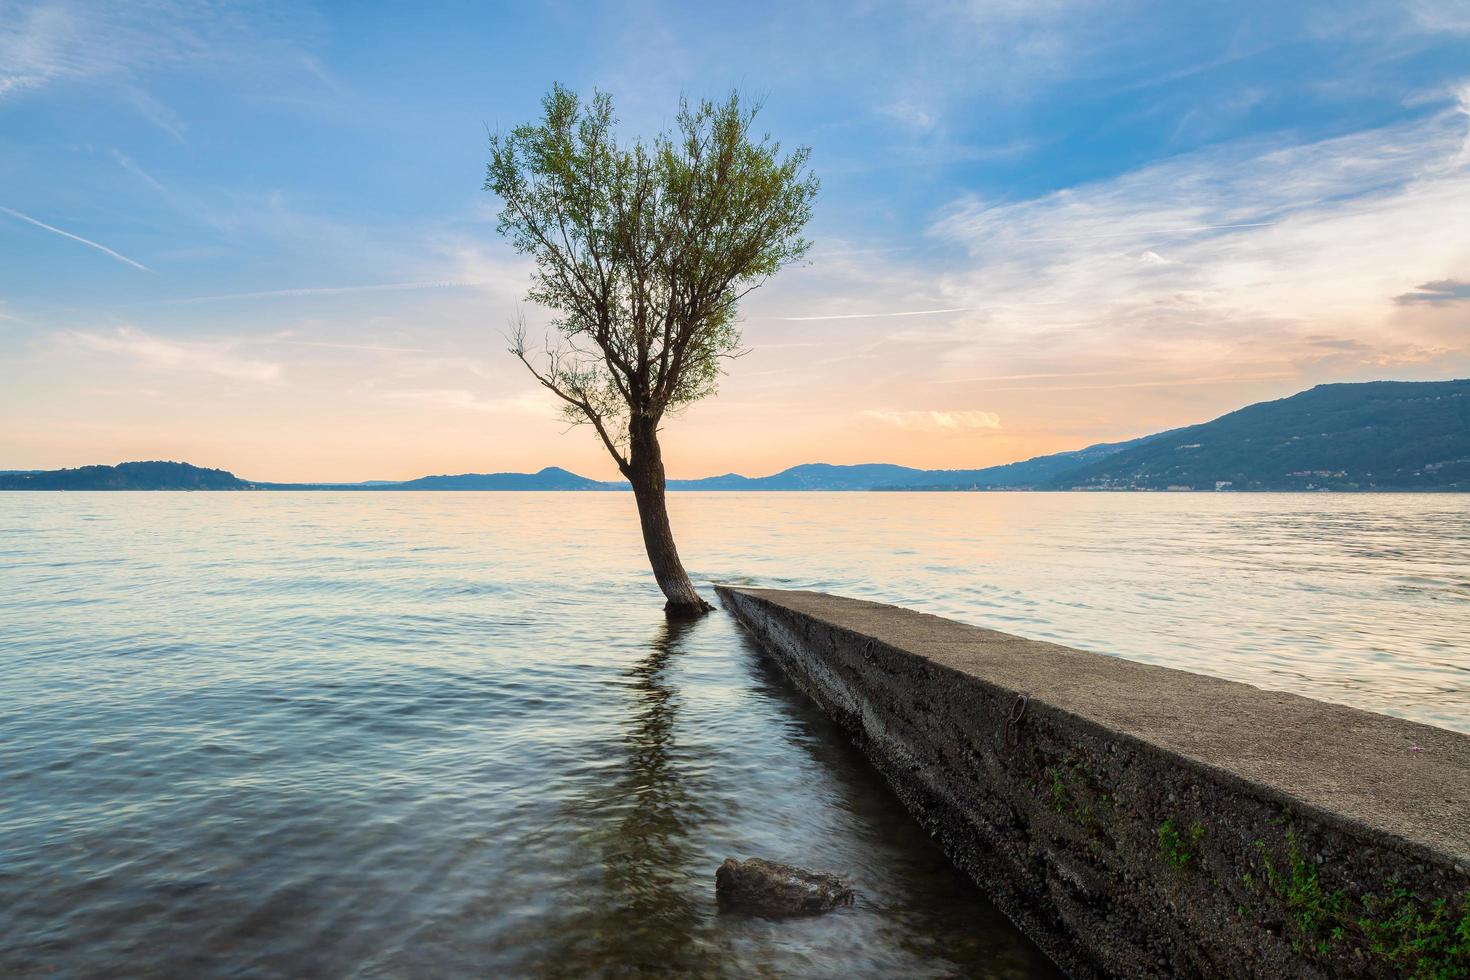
(982, 332)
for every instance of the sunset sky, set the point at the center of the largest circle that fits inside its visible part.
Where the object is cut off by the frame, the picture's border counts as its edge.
(253, 236)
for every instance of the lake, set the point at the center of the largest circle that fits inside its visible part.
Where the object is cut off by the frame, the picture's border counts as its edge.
(399, 734)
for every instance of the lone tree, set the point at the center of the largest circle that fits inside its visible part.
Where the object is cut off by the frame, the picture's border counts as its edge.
(644, 252)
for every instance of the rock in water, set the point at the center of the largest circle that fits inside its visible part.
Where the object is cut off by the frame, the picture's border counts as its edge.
(772, 889)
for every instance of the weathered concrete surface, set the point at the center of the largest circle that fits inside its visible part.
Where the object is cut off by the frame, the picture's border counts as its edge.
(1139, 821)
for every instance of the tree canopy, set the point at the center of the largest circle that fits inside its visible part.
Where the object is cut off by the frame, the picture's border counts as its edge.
(644, 250)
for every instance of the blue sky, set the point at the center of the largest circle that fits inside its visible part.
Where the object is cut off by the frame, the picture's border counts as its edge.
(253, 235)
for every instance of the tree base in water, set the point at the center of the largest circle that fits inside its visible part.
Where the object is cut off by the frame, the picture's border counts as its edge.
(687, 609)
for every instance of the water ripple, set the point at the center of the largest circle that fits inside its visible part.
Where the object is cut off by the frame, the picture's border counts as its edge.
(396, 736)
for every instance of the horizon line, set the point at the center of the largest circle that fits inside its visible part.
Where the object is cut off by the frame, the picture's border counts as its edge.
(918, 469)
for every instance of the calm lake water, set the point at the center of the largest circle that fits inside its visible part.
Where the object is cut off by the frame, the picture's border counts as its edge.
(392, 735)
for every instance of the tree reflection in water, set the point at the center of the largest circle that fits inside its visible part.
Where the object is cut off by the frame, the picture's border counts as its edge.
(648, 916)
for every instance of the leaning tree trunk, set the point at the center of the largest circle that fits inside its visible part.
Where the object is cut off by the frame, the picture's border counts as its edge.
(646, 474)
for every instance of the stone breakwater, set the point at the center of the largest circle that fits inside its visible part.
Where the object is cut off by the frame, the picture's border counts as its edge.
(1138, 821)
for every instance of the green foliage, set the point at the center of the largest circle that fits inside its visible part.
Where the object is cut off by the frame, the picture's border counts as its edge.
(1061, 800)
(1425, 940)
(1316, 913)
(643, 250)
(1176, 849)
(1429, 944)
(1074, 789)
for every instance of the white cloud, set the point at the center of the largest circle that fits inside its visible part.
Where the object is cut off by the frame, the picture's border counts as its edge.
(375, 348)
(50, 42)
(131, 166)
(1265, 244)
(381, 287)
(160, 115)
(1163, 231)
(1027, 377)
(934, 421)
(1441, 15)
(495, 269)
(1126, 291)
(1462, 99)
(877, 316)
(910, 114)
(1156, 383)
(463, 400)
(219, 358)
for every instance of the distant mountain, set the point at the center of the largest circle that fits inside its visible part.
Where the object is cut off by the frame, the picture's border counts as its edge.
(126, 476)
(1027, 474)
(1379, 435)
(810, 476)
(550, 478)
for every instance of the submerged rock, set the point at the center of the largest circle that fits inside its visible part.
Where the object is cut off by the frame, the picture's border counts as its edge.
(773, 889)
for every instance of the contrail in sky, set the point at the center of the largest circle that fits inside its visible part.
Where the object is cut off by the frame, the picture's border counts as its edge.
(76, 238)
(874, 316)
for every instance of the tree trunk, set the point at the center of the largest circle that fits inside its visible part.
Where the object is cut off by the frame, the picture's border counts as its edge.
(646, 474)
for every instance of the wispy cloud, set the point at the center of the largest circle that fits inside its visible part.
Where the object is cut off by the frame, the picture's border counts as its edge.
(156, 112)
(366, 347)
(1158, 383)
(463, 400)
(875, 316)
(76, 238)
(58, 41)
(1014, 45)
(1441, 15)
(910, 114)
(823, 251)
(1440, 293)
(1462, 98)
(934, 421)
(380, 287)
(1026, 377)
(1140, 233)
(1268, 243)
(131, 166)
(219, 358)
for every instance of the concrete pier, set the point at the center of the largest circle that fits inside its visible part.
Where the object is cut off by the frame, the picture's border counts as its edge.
(1138, 821)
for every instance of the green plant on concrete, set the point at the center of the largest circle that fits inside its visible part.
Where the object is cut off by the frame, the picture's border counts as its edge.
(1430, 943)
(1177, 849)
(1073, 789)
(1060, 798)
(1424, 940)
(1317, 914)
